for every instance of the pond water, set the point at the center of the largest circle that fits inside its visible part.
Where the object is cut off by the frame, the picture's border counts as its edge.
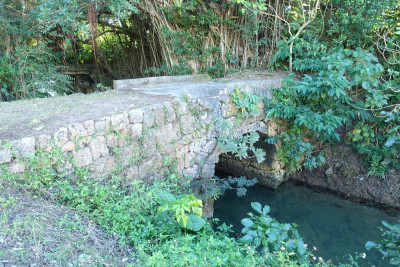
(336, 227)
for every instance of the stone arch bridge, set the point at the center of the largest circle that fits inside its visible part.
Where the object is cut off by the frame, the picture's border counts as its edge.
(143, 128)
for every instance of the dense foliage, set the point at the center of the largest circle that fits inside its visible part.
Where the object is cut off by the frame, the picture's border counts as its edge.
(351, 93)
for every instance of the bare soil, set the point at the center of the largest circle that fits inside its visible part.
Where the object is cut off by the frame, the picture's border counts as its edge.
(345, 175)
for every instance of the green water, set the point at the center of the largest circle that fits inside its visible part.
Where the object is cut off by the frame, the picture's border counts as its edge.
(336, 227)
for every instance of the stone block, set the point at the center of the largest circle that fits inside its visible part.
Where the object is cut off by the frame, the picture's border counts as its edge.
(207, 170)
(103, 166)
(102, 126)
(98, 147)
(190, 159)
(149, 147)
(192, 172)
(16, 167)
(112, 140)
(135, 116)
(188, 124)
(24, 147)
(82, 157)
(181, 108)
(76, 131)
(43, 143)
(169, 112)
(148, 118)
(68, 147)
(61, 137)
(119, 121)
(126, 154)
(145, 169)
(136, 130)
(5, 155)
(166, 134)
(82, 141)
(89, 127)
(159, 115)
(210, 146)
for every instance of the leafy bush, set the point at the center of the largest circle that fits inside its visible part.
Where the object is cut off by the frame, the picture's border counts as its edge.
(187, 209)
(271, 236)
(389, 245)
(351, 88)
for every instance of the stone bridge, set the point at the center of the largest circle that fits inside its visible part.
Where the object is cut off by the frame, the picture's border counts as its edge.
(144, 128)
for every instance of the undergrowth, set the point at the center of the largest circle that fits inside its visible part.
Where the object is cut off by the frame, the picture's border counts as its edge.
(162, 220)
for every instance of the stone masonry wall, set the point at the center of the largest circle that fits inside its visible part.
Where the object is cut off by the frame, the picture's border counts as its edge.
(178, 135)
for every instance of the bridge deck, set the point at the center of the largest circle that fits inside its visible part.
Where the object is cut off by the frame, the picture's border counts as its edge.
(45, 116)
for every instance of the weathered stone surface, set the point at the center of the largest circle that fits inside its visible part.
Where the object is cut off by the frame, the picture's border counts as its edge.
(136, 130)
(24, 147)
(188, 124)
(76, 130)
(5, 155)
(82, 157)
(136, 116)
(98, 147)
(61, 137)
(192, 172)
(190, 159)
(125, 156)
(169, 112)
(43, 143)
(210, 146)
(195, 147)
(68, 147)
(148, 118)
(145, 169)
(149, 147)
(89, 127)
(150, 167)
(119, 121)
(181, 108)
(159, 115)
(16, 167)
(165, 135)
(132, 173)
(82, 141)
(104, 165)
(102, 126)
(112, 140)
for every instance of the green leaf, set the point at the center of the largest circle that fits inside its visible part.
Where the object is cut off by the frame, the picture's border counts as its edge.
(195, 222)
(256, 206)
(247, 222)
(165, 196)
(370, 245)
(246, 239)
(265, 210)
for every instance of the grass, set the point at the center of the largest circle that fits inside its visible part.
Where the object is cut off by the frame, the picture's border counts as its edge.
(35, 232)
